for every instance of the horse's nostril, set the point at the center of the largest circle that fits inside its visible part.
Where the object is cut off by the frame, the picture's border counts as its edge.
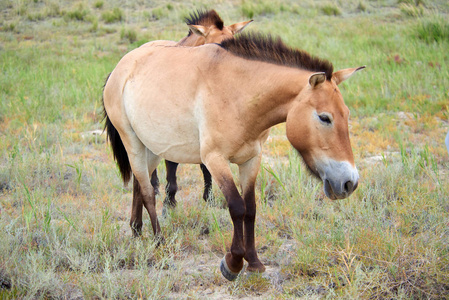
(349, 187)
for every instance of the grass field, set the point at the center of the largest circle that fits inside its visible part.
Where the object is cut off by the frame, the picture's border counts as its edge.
(64, 212)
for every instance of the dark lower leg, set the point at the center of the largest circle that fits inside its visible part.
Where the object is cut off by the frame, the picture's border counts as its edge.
(234, 259)
(136, 212)
(254, 264)
(220, 170)
(155, 182)
(149, 202)
(172, 186)
(207, 183)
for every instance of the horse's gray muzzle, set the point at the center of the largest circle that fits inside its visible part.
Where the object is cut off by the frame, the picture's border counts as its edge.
(340, 178)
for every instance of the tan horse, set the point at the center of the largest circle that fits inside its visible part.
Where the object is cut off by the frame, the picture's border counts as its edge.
(205, 27)
(213, 104)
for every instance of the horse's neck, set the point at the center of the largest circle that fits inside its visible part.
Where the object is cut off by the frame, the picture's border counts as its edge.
(191, 40)
(277, 89)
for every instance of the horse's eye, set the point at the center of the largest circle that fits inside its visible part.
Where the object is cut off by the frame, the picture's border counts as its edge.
(325, 119)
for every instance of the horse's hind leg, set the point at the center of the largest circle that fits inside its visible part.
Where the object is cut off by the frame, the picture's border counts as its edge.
(143, 163)
(207, 183)
(172, 185)
(137, 206)
(155, 181)
(136, 213)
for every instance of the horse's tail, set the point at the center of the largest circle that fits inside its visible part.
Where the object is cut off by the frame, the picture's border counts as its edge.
(118, 149)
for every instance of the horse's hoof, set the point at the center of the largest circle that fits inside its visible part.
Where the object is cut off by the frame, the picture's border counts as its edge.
(137, 231)
(160, 241)
(255, 268)
(227, 273)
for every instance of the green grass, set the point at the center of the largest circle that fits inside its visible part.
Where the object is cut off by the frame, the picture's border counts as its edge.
(330, 10)
(64, 212)
(115, 15)
(78, 13)
(433, 29)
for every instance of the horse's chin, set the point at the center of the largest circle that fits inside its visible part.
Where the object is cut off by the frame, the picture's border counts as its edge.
(328, 190)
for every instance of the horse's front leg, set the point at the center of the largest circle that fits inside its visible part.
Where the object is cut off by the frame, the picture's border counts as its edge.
(232, 263)
(248, 174)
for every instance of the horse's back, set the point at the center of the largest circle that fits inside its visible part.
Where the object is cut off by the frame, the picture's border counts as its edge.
(159, 43)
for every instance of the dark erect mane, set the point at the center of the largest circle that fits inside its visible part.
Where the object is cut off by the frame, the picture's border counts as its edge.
(255, 46)
(205, 18)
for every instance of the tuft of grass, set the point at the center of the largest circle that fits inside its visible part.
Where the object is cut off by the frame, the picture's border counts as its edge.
(435, 29)
(39, 16)
(11, 27)
(94, 21)
(99, 4)
(79, 13)
(128, 34)
(250, 9)
(412, 10)
(330, 9)
(362, 6)
(412, 2)
(112, 16)
(53, 10)
(160, 12)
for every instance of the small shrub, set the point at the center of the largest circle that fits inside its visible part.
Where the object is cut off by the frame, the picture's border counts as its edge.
(115, 15)
(330, 10)
(159, 13)
(412, 2)
(247, 11)
(80, 13)
(21, 10)
(434, 29)
(9, 27)
(52, 10)
(94, 24)
(129, 34)
(99, 4)
(361, 6)
(412, 10)
(35, 17)
(261, 7)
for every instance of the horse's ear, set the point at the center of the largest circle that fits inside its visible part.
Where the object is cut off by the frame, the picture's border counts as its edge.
(340, 76)
(238, 27)
(317, 79)
(199, 30)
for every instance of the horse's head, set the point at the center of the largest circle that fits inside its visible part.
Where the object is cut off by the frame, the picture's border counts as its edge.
(213, 34)
(317, 126)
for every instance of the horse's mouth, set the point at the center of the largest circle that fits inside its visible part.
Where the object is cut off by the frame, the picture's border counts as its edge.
(329, 191)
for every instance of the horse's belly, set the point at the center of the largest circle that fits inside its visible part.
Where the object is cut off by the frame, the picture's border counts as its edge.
(178, 146)
(172, 138)
(163, 120)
